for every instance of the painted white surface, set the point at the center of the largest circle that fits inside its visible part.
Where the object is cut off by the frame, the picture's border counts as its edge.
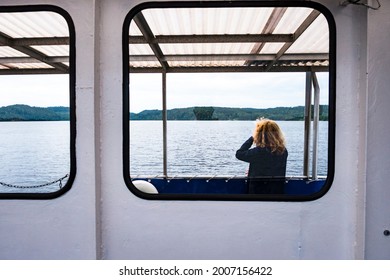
(100, 218)
(378, 136)
(62, 228)
(324, 229)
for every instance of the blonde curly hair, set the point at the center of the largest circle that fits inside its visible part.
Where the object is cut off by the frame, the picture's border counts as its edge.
(267, 134)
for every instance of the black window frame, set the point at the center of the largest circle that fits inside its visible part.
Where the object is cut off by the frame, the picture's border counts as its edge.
(72, 99)
(223, 4)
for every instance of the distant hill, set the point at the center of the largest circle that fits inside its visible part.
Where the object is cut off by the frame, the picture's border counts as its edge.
(28, 113)
(226, 113)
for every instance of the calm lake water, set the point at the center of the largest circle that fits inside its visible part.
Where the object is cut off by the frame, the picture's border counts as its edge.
(208, 147)
(33, 153)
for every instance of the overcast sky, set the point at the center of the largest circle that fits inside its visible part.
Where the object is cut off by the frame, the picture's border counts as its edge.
(255, 90)
(34, 90)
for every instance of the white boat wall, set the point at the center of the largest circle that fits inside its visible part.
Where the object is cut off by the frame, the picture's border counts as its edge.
(99, 218)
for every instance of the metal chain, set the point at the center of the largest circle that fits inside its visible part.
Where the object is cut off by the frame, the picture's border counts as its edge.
(59, 181)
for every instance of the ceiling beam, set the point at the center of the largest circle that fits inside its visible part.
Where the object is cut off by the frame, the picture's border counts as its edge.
(41, 41)
(228, 69)
(30, 71)
(273, 21)
(222, 57)
(27, 59)
(149, 36)
(8, 41)
(203, 39)
(302, 28)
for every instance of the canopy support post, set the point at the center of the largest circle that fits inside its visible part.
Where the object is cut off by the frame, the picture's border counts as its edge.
(164, 120)
(307, 124)
(316, 119)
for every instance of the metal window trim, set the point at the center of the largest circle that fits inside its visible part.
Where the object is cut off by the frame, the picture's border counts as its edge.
(226, 197)
(72, 98)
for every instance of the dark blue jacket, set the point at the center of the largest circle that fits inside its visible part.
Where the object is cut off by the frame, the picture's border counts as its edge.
(267, 170)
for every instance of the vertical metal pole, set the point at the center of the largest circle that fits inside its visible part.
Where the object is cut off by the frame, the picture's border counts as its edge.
(306, 144)
(316, 119)
(164, 120)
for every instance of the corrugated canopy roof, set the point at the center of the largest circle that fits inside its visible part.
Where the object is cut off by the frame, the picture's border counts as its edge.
(179, 40)
(33, 43)
(228, 39)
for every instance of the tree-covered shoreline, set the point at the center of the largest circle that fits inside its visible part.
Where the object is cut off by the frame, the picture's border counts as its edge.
(21, 112)
(29, 113)
(228, 113)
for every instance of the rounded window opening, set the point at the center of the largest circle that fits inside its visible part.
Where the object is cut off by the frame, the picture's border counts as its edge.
(200, 82)
(37, 117)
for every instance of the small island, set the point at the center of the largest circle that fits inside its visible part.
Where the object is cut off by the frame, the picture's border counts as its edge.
(204, 113)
